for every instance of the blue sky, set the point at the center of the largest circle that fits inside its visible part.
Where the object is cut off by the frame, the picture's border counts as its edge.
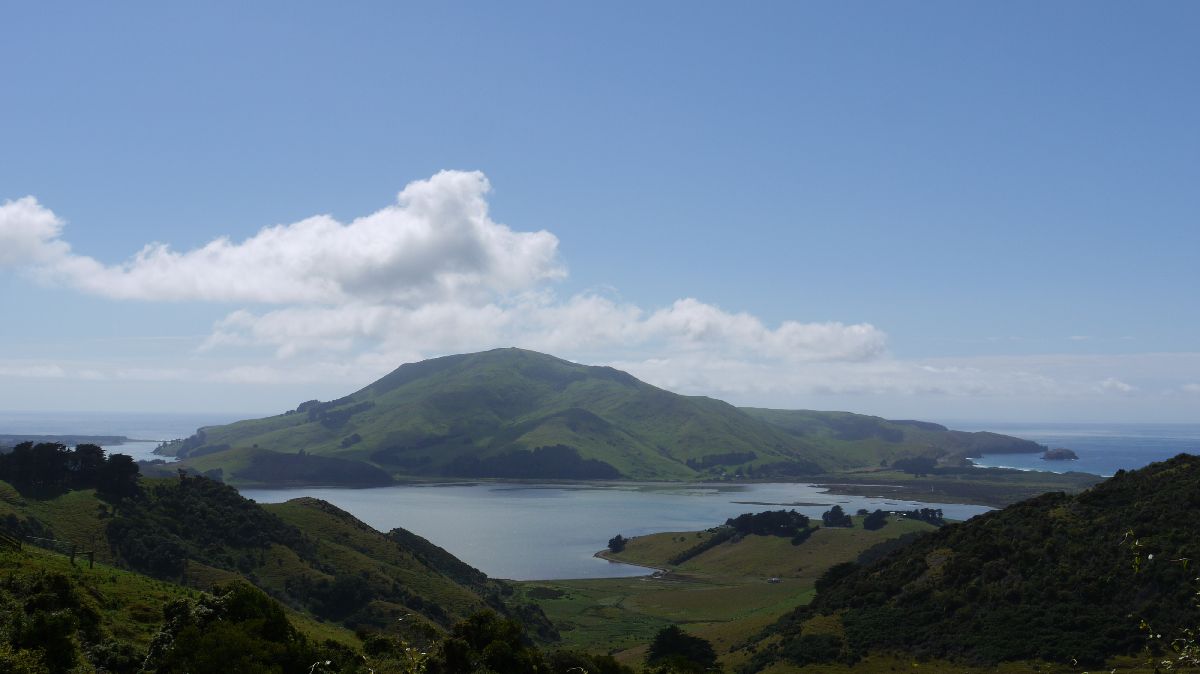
(941, 210)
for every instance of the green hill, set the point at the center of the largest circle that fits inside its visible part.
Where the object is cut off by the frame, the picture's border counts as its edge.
(314, 558)
(185, 575)
(1056, 578)
(511, 413)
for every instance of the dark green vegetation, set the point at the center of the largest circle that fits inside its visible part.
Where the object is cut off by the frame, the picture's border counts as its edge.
(875, 520)
(787, 523)
(511, 413)
(48, 469)
(282, 470)
(836, 517)
(681, 652)
(1055, 578)
(558, 461)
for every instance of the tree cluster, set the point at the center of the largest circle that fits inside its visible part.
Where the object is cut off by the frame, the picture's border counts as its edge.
(928, 515)
(788, 523)
(836, 517)
(875, 520)
(47, 469)
(674, 650)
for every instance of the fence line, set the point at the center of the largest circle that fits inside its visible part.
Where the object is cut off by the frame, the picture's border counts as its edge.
(55, 545)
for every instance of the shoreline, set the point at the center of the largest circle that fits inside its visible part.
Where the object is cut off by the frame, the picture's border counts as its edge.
(604, 554)
(991, 487)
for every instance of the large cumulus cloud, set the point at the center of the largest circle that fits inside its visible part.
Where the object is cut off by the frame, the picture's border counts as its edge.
(435, 243)
(428, 275)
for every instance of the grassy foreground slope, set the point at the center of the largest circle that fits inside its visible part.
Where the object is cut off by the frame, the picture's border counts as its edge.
(511, 413)
(1059, 579)
(127, 606)
(309, 555)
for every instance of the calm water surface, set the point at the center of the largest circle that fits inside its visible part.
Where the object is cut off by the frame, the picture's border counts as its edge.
(543, 531)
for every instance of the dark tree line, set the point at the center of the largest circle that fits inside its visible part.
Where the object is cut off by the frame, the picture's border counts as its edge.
(48, 468)
(770, 523)
(928, 515)
(553, 462)
(916, 465)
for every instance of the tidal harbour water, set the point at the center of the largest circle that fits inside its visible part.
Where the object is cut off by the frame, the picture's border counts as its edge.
(524, 531)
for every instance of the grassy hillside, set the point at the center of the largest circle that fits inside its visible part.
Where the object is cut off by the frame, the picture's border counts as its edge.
(1056, 578)
(306, 553)
(724, 594)
(319, 572)
(866, 440)
(512, 413)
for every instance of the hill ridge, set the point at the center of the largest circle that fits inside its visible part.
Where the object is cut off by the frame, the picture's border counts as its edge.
(485, 414)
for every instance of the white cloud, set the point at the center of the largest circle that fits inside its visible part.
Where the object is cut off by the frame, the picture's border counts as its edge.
(429, 275)
(583, 324)
(29, 234)
(432, 274)
(20, 370)
(1028, 381)
(436, 243)
(1114, 385)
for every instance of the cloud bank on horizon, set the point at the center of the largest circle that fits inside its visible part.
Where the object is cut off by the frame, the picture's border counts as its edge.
(433, 274)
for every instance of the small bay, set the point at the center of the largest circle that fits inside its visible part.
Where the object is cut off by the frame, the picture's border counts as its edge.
(526, 531)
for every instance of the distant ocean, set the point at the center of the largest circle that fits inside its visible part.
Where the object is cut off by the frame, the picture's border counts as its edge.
(1103, 449)
(146, 429)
